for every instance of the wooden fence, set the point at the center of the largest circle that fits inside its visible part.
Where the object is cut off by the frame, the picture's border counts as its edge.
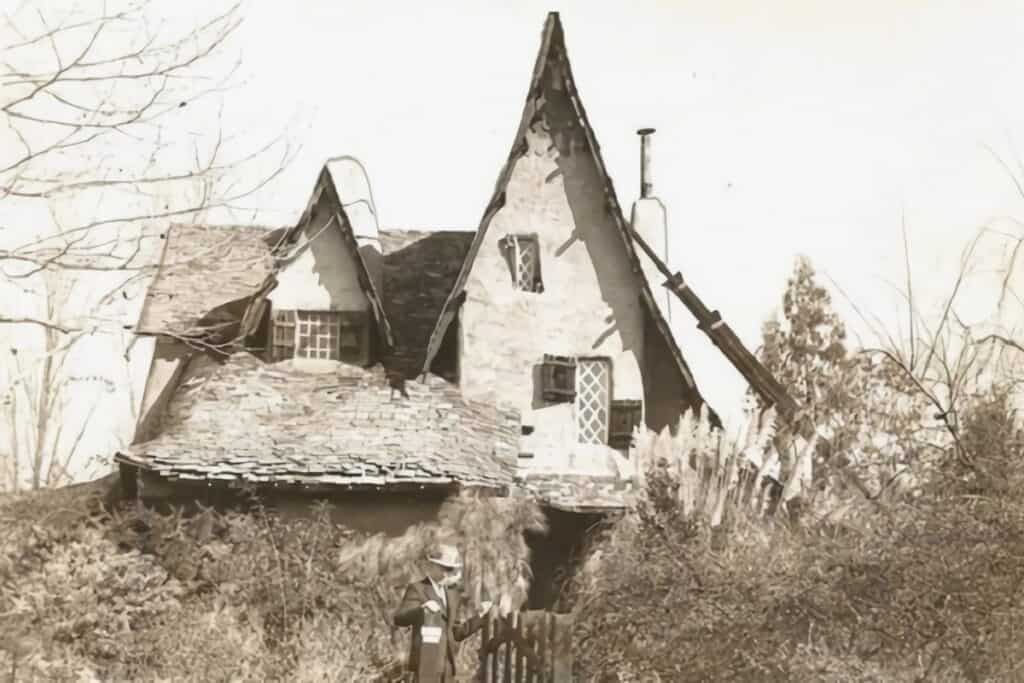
(527, 647)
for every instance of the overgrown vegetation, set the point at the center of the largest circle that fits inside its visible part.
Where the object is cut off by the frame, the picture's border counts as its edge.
(138, 595)
(912, 573)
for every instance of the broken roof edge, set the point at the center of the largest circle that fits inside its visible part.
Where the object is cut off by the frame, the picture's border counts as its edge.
(325, 183)
(305, 482)
(139, 327)
(495, 204)
(201, 336)
(553, 37)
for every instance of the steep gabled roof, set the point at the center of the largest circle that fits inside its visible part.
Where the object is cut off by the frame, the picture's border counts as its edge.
(325, 187)
(554, 56)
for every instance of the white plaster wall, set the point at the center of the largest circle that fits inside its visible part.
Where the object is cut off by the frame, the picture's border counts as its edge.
(589, 306)
(323, 276)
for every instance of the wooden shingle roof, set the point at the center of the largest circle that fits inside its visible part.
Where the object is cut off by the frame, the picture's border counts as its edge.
(202, 269)
(248, 421)
(420, 267)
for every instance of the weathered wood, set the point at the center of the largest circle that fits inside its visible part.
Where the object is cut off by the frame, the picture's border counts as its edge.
(526, 647)
(510, 631)
(542, 649)
(522, 649)
(485, 657)
(561, 664)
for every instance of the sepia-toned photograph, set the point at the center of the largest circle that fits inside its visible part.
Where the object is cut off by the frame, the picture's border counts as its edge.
(483, 342)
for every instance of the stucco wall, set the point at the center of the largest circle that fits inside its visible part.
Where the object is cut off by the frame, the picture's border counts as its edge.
(589, 306)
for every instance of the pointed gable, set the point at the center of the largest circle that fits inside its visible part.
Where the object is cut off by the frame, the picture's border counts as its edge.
(327, 200)
(554, 107)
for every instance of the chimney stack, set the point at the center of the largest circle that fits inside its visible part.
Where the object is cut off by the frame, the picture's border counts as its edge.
(646, 185)
(650, 221)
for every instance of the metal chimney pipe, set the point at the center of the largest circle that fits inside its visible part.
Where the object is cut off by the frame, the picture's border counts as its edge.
(646, 185)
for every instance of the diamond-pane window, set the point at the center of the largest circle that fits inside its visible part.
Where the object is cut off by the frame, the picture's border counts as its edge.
(593, 396)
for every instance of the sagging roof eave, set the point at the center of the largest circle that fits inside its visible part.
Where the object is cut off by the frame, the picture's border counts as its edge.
(296, 481)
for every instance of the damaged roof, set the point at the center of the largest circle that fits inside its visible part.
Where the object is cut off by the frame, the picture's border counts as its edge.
(203, 269)
(246, 421)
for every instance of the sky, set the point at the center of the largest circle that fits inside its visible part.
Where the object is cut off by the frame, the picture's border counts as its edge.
(783, 128)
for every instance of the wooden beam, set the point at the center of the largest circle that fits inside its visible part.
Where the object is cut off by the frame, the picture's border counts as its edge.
(710, 323)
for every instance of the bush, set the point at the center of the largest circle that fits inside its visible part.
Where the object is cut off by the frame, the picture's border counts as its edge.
(141, 595)
(923, 588)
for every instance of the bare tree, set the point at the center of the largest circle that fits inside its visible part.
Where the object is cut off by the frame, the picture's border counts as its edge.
(98, 137)
(940, 363)
(109, 130)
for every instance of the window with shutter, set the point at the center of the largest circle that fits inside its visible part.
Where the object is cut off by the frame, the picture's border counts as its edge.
(283, 346)
(350, 343)
(625, 417)
(558, 379)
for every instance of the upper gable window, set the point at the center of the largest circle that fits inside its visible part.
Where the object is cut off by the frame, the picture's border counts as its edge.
(523, 255)
(328, 335)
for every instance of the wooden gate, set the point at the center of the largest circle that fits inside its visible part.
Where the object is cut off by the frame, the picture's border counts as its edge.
(527, 647)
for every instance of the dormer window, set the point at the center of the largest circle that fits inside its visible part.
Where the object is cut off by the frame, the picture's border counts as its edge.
(523, 255)
(327, 335)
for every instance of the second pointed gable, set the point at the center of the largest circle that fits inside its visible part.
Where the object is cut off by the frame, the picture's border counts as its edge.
(326, 267)
(554, 127)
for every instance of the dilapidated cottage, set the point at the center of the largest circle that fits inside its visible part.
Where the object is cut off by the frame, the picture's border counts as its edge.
(390, 368)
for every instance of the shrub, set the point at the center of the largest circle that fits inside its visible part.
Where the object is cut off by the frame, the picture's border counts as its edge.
(141, 595)
(923, 587)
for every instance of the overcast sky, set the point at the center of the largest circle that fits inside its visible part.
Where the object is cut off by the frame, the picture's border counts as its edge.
(783, 127)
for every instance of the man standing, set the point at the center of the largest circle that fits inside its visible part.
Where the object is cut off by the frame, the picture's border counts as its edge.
(431, 607)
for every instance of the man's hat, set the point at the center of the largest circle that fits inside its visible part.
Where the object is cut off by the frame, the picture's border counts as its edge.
(445, 555)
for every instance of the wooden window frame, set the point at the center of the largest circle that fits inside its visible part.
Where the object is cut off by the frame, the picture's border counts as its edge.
(513, 246)
(558, 379)
(600, 437)
(625, 415)
(318, 334)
